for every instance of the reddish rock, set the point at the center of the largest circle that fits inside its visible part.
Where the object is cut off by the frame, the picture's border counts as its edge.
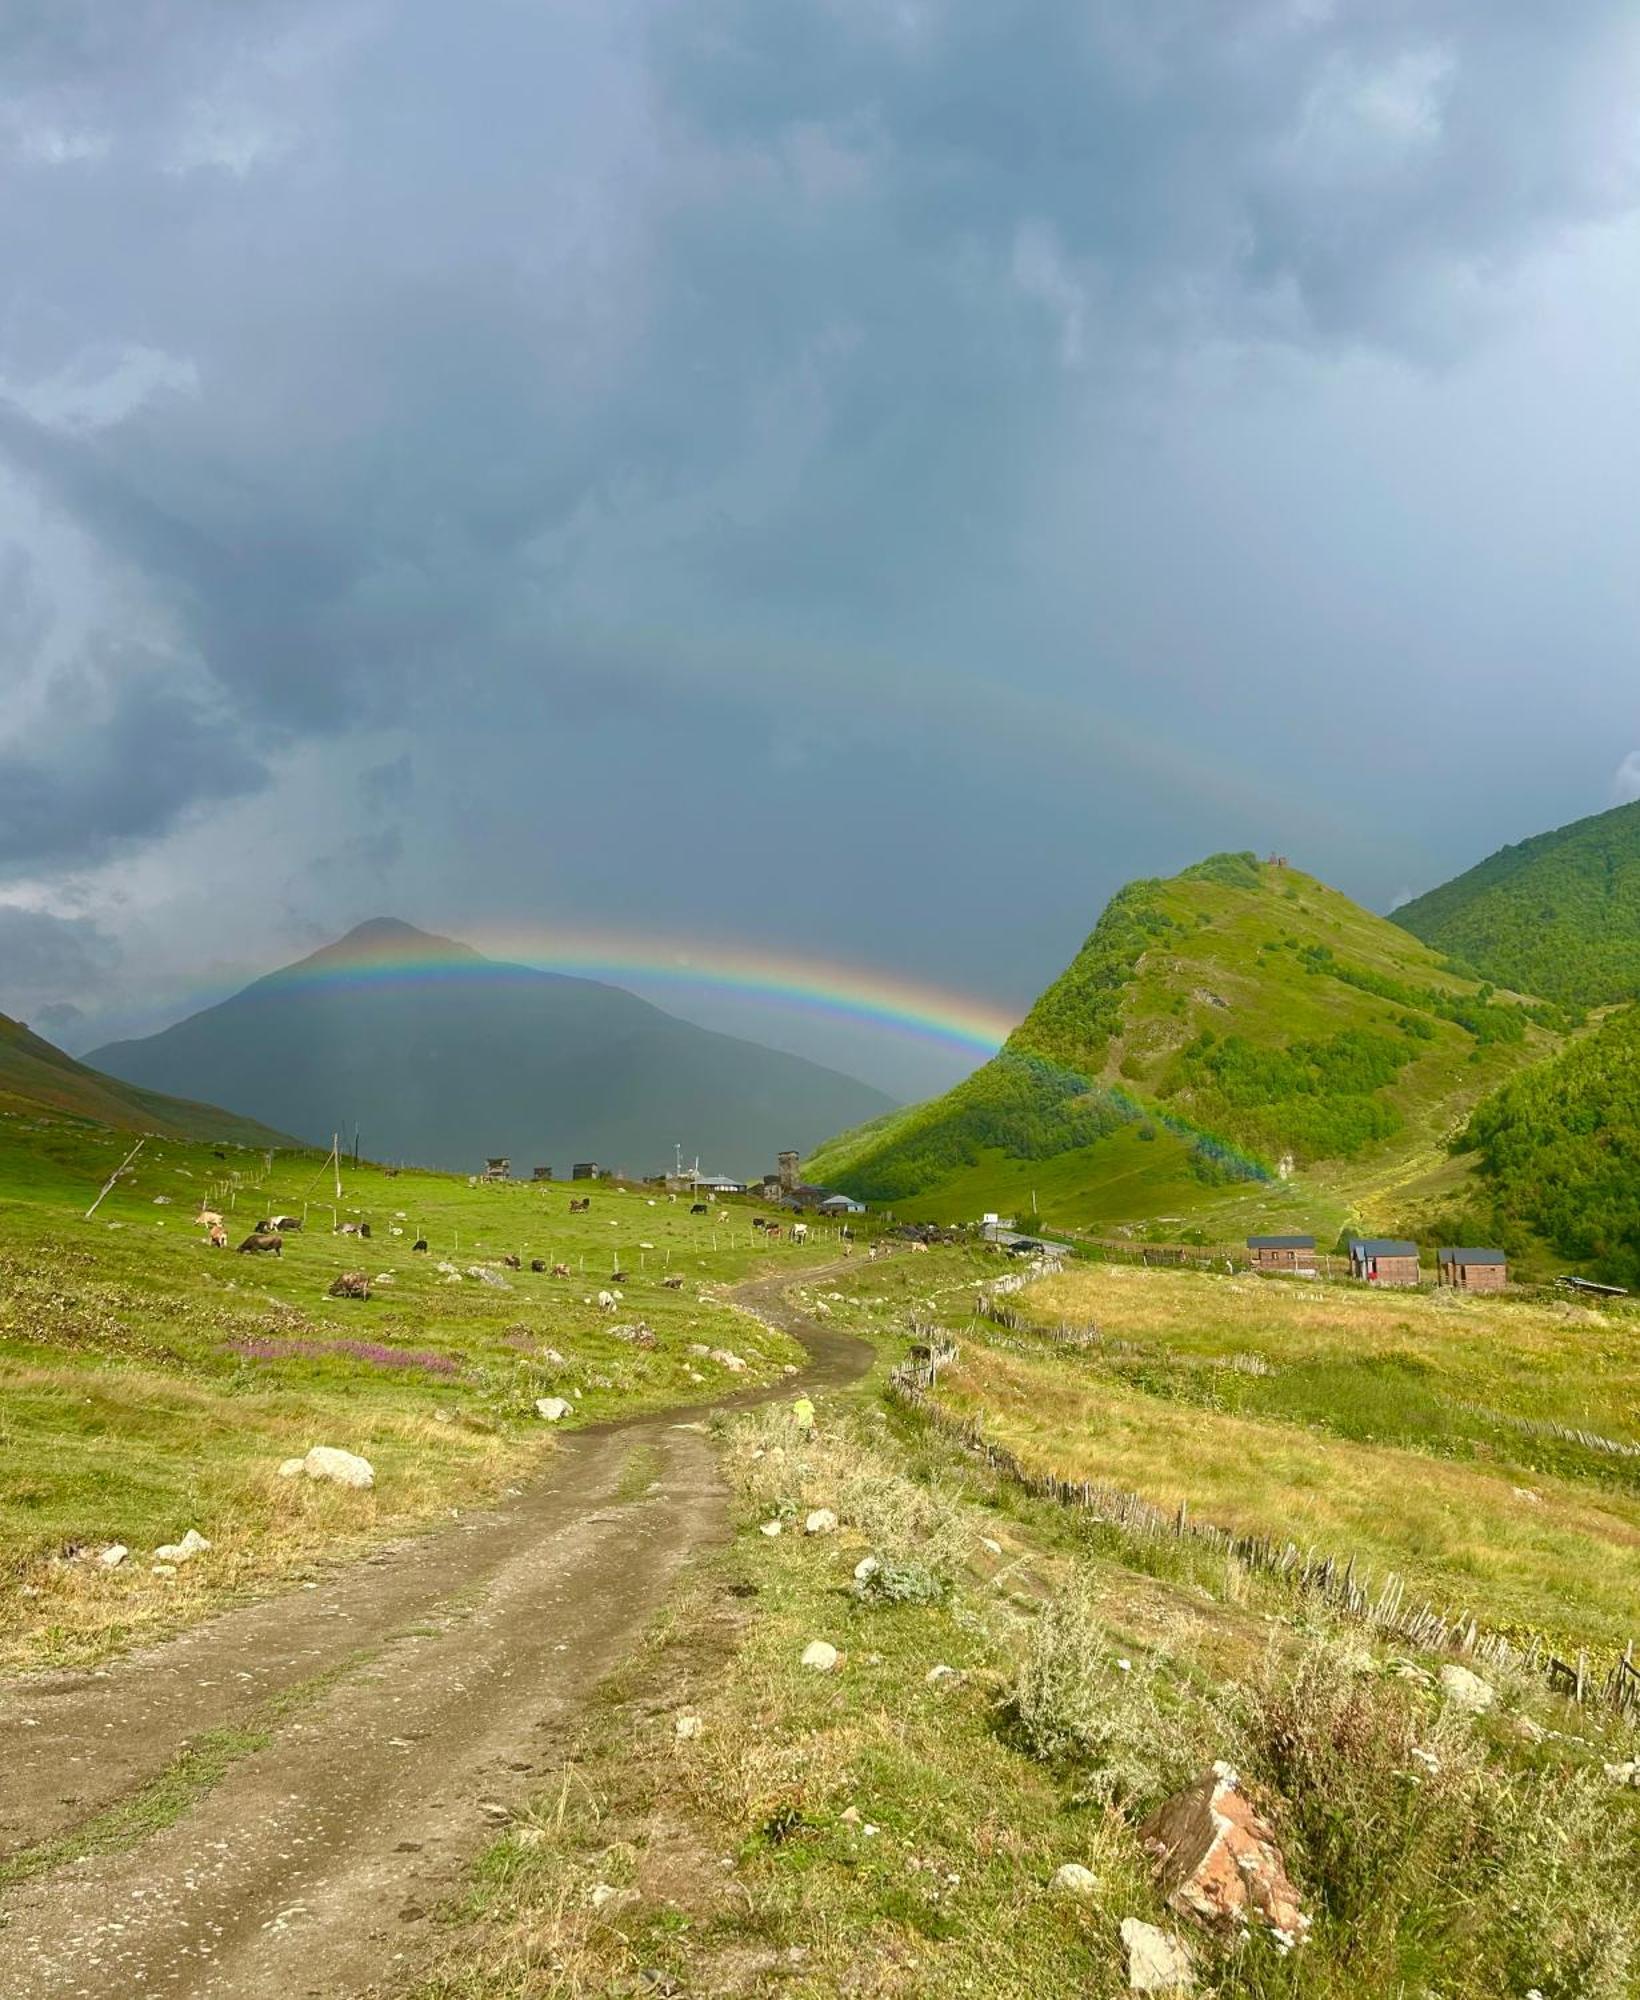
(1216, 1859)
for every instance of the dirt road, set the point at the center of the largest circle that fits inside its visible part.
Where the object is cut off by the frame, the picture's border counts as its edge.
(425, 1692)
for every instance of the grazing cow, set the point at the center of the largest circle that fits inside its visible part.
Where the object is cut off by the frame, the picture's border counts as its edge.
(673, 1284)
(800, 1232)
(771, 1229)
(538, 1263)
(560, 1270)
(218, 1237)
(758, 1222)
(607, 1302)
(347, 1229)
(699, 1208)
(513, 1263)
(364, 1230)
(350, 1285)
(262, 1240)
(617, 1277)
(918, 1244)
(580, 1207)
(220, 1156)
(419, 1244)
(208, 1218)
(285, 1224)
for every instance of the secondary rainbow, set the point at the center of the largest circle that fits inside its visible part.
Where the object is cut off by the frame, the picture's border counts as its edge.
(812, 986)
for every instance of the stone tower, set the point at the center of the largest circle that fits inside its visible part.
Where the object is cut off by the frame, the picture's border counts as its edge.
(790, 1171)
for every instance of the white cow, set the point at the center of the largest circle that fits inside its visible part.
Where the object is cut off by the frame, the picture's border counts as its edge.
(800, 1232)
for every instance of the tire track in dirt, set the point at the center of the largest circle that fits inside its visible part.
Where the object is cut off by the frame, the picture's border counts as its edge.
(309, 1867)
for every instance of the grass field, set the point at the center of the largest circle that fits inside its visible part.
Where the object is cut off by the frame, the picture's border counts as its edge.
(149, 1384)
(878, 1832)
(1408, 1430)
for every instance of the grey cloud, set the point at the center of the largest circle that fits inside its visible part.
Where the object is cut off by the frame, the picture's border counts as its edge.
(49, 965)
(122, 748)
(640, 382)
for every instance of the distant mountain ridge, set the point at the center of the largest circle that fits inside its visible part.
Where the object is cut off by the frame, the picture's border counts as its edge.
(36, 1076)
(441, 1056)
(1213, 1028)
(1557, 915)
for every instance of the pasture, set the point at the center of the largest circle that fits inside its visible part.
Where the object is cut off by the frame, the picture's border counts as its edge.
(150, 1383)
(1425, 1434)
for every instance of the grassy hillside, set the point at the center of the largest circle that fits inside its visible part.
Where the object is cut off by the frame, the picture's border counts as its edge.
(1557, 915)
(149, 1383)
(1558, 1153)
(34, 1076)
(1211, 1025)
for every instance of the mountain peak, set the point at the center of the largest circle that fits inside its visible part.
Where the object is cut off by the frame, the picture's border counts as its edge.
(390, 938)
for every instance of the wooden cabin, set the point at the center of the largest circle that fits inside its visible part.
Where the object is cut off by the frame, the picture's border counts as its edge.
(1282, 1253)
(585, 1170)
(1472, 1270)
(541, 1174)
(498, 1170)
(1384, 1260)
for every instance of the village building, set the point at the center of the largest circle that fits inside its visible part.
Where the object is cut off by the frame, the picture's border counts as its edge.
(585, 1170)
(1472, 1270)
(1282, 1253)
(1384, 1260)
(842, 1204)
(541, 1174)
(498, 1170)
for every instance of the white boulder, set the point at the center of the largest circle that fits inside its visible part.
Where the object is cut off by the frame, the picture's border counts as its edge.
(821, 1521)
(821, 1656)
(553, 1408)
(113, 1555)
(686, 1728)
(192, 1544)
(769, 1528)
(1074, 1880)
(341, 1468)
(1466, 1690)
(292, 1467)
(726, 1358)
(1157, 1963)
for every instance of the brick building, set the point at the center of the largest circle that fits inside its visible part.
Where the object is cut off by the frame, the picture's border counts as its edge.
(1384, 1260)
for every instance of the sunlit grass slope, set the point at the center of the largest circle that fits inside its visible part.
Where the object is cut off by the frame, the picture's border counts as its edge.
(1413, 1431)
(1222, 1021)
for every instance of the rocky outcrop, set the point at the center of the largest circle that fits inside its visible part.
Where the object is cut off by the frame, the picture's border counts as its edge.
(1218, 1861)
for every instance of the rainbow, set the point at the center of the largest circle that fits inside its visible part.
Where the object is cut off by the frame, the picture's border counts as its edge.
(691, 970)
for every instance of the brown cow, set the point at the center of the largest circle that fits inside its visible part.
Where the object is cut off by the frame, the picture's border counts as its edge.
(580, 1207)
(260, 1241)
(513, 1263)
(217, 1237)
(560, 1270)
(350, 1285)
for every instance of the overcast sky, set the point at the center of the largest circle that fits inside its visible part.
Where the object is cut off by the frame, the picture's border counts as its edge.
(843, 476)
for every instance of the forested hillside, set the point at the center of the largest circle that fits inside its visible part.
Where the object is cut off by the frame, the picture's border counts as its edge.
(1557, 915)
(1558, 1149)
(1235, 1014)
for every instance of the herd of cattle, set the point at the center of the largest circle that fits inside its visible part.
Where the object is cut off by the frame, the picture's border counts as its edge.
(268, 1237)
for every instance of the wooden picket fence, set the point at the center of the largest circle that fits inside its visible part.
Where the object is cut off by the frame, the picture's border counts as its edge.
(1422, 1626)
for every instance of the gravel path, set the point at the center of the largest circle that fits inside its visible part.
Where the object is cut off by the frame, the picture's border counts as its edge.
(459, 1659)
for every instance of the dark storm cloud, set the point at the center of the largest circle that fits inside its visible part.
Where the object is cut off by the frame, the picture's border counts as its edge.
(49, 964)
(118, 753)
(594, 362)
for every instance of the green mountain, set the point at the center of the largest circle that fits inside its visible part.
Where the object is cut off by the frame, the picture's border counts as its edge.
(441, 1056)
(1557, 915)
(1558, 1154)
(1240, 1028)
(36, 1077)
